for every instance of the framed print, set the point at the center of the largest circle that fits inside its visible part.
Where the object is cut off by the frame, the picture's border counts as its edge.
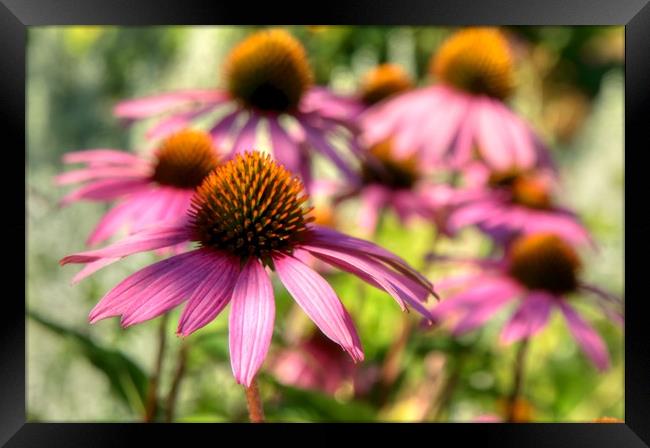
(360, 213)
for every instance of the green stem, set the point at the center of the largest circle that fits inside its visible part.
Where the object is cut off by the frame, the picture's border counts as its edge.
(517, 380)
(151, 407)
(254, 402)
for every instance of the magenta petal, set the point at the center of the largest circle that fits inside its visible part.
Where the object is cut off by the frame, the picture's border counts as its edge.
(252, 315)
(103, 172)
(315, 138)
(131, 289)
(156, 104)
(171, 289)
(155, 237)
(373, 199)
(330, 238)
(106, 190)
(91, 268)
(586, 336)
(224, 126)
(99, 157)
(245, 140)
(285, 150)
(530, 317)
(211, 296)
(319, 301)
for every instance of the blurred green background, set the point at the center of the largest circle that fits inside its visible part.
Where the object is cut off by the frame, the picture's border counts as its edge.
(571, 89)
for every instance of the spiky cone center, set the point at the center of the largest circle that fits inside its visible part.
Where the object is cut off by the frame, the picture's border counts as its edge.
(268, 71)
(478, 61)
(545, 262)
(383, 82)
(251, 207)
(525, 188)
(384, 168)
(184, 159)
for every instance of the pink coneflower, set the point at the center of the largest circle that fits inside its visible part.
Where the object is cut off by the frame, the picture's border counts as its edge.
(248, 219)
(446, 122)
(148, 190)
(511, 203)
(268, 83)
(387, 182)
(318, 364)
(539, 272)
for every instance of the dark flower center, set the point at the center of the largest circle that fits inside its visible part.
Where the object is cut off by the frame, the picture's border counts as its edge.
(477, 61)
(525, 189)
(383, 168)
(544, 262)
(184, 159)
(269, 71)
(250, 206)
(382, 82)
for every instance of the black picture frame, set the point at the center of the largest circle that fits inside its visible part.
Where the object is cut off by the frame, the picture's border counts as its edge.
(17, 15)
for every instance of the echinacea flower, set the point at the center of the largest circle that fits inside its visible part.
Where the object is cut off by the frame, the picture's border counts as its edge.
(511, 203)
(317, 363)
(465, 111)
(268, 83)
(387, 182)
(148, 190)
(539, 272)
(248, 218)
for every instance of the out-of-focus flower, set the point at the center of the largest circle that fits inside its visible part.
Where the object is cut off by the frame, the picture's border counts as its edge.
(539, 272)
(387, 182)
(607, 420)
(148, 190)
(509, 203)
(318, 364)
(248, 216)
(268, 83)
(444, 123)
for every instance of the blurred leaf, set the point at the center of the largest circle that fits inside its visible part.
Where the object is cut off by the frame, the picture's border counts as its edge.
(128, 381)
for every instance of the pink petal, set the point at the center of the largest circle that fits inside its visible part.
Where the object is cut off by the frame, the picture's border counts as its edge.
(530, 317)
(245, 141)
(91, 268)
(102, 172)
(493, 145)
(150, 279)
(106, 190)
(223, 128)
(156, 104)
(99, 157)
(315, 138)
(154, 237)
(211, 296)
(285, 150)
(319, 301)
(373, 200)
(330, 238)
(586, 336)
(169, 290)
(252, 314)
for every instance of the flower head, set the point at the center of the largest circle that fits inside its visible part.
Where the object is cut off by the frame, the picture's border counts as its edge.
(477, 61)
(268, 88)
(148, 190)
(248, 217)
(382, 82)
(505, 204)
(269, 71)
(539, 272)
(463, 117)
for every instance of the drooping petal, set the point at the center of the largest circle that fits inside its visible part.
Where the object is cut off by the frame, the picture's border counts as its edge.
(588, 339)
(251, 319)
(155, 237)
(169, 290)
(530, 317)
(157, 104)
(103, 157)
(91, 268)
(106, 190)
(102, 172)
(319, 301)
(481, 313)
(223, 128)
(245, 140)
(373, 199)
(211, 296)
(330, 238)
(131, 289)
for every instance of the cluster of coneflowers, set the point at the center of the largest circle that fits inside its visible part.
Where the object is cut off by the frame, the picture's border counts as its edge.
(225, 211)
